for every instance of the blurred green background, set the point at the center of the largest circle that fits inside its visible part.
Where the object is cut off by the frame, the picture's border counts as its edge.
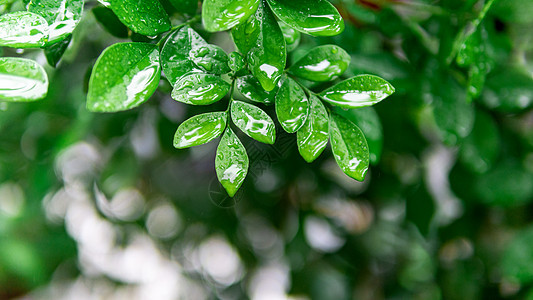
(101, 206)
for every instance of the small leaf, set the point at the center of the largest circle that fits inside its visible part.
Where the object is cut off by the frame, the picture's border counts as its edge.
(236, 61)
(252, 90)
(358, 91)
(231, 162)
(62, 16)
(124, 76)
(313, 136)
(200, 89)
(292, 105)
(55, 51)
(292, 37)
(22, 79)
(220, 15)
(107, 18)
(253, 121)
(23, 30)
(349, 147)
(175, 58)
(322, 63)
(146, 18)
(210, 58)
(200, 129)
(314, 17)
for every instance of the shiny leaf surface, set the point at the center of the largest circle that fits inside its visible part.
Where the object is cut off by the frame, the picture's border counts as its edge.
(55, 51)
(322, 63)
(253, 121)
(368, 121)
(147, 18)
(22, 80)
(210, 58)
(292, 36)
(220, 15)
(236, 61)
(358, 91)
(312, 138)
(292, 105)
(349, 147)
(61, 15)
(231, 162)
(124, 76)
(200, 129)
(23, 30)
(252, 90)
(200, 89)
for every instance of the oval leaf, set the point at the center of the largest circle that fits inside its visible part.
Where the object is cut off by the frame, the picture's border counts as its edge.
(147, 18)
(236, 61)
(220, 15)
(252, 90)
(349, 147)
(231, 162)
(175, 58)
(200, 89)
(124, 76)
(253, 121)
(314, 17)
(312, 138)
(22, 80)
(292, 105)
(210, 58)
(61, 15)
(322, 63)
(358, 91)
(200, 129)
(23, 30)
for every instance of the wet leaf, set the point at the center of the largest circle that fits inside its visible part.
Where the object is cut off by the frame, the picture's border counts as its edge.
(23, 30)
(253, 121)
(124, 76)
(314, 17)
(62, 16)
(231, 162)
(292, 36)
(220, 15)
(200, 129)
(175, 57)
(252, 90)
(313, 137)
(22, 80)
(322, 63)
(146, 18)
(480, 148)
(210, 58)
(200, 89)
(236, 61)
(358, 91)
(55, 51)
(349, 147)
(107, 18)
(292, 105)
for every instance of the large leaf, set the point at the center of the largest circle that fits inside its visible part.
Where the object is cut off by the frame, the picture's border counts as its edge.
(231, 162)
(147, 17)
(253, 121)
(210, 58)
(23, 30)
(200, 129)
(200, 89)
(322, 63)
(349, 147)
(252, 90)
(124, 76)
(358, 91)
(312, 138)
(22, 80)
(220, 15)
(263, 42)
(314, 17)
(175, 58)
(292, 105)
(61, 15)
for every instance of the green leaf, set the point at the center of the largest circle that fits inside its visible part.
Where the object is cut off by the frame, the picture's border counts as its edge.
(252, 90)
(147, 18)
(200, 129)
(322, 63)
(200, 89)
(517, 259)
(312, 138)
(185, 6)
(220, 15)
(124, 76)
(61, 15)
(253, 121)
(292, 105)
(22, 79)
(292, 37)
(314, 17)
(236, 61)
(23, 30)
(175, 58)
(210, 58)
(480, 148)
(508, 90)
(349, 147)
(231, 162)
(358, 91)
(267, 52)
(55, 51)
(107, 18)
